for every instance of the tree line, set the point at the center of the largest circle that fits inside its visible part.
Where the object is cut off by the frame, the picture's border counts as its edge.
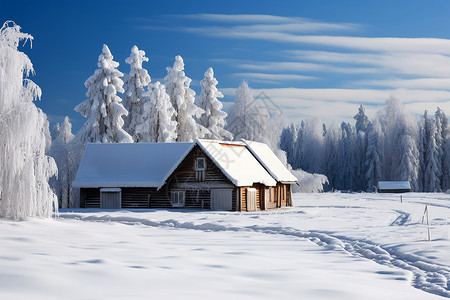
(393, 146)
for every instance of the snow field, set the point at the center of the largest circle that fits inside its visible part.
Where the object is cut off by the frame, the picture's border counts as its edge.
(371, 246)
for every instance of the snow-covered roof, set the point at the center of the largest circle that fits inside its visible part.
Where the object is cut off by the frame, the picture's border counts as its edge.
(270, 161)
(150, 164)
(129, 164)
(394, 185)
(236, 162)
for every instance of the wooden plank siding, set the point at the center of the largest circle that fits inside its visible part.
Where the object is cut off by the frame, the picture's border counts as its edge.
(280, 196)
(90, 198)
(136, 197)
(184, 174)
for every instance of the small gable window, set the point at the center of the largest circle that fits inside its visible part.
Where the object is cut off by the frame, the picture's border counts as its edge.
(200, 164)
(200, 169)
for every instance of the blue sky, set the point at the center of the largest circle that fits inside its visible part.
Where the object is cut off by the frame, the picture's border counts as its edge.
(313, 58)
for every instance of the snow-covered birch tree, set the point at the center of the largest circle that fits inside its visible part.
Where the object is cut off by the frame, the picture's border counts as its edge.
(24, 135)
(214, 117)
(182, 98)
(103, 106)
(158, 117)
(135, 84)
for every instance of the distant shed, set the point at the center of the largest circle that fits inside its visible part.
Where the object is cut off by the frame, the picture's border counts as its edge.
(394, 187)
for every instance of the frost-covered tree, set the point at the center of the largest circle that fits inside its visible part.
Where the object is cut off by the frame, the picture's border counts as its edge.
(362, 121)
(298, 147)
(287, 141)
(249, 118)
(374, 155)
(135, 84)
(55, 131)
(24, 135)
(400, 151)
(60, 152)
(103, 106)
(442, 140)
(158, 117)
(360, 150)
(362, 125)
(182, 98)
(311, 146)
(214, 117)
(346, 158)
(430, 160)
(331, 146)
(239, 121)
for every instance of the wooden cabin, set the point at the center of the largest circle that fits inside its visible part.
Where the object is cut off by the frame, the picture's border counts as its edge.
(394, 187)
(205, 174)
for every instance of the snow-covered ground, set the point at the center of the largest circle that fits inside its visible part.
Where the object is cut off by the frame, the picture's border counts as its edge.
(329, 246)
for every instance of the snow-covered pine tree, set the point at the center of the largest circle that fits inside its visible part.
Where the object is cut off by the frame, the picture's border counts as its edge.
(287, 141)
(346, 158)
(360, 149)
(249, 119)
(239, 121)
(311, 148)
(158, 117)
(408, 168)
(24, 135)
(430, 164)
(182, 98)
(331, 146)
(55, 131)
(60, 152)
(400, 151)
(443, 141)
(362, 121)
(299, 147)
(103, 106)
(374, 155)
(214, 117)
(362, 126)
(135, 84)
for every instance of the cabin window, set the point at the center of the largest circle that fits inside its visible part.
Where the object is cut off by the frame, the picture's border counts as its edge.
(200, 169)
(200, 164)
(178, 198)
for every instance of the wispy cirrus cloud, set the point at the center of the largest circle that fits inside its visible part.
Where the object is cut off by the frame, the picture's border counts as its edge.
(274, 76)
(272, 23)
(403, 63)
(304, 66)
(417, 83)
